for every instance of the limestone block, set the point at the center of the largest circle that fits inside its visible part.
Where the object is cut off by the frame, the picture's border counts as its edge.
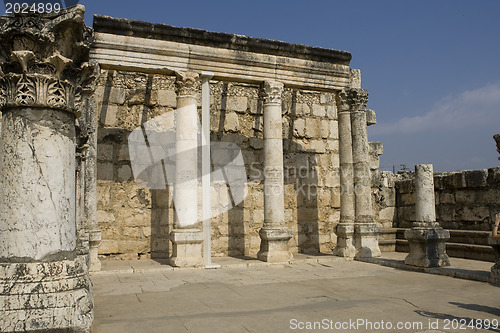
(447, 198)
(237, 103)
(476, 178)
(167, 98)
(105, 152)
(105, 171)
(466, 197)
(108, 115)
(331, 112)
(317, 146)
(388, 213)
(302, 109)
(231, 122)
(324, 128)
(116, 96)
(455, 180)
(312, 127)
(318, 110)
(256, 143)
(123, 153)
(124, 173)
(334, 129)
(299, 126)
(326, 98)
(105, 217)
(254, 106)
(332, 145)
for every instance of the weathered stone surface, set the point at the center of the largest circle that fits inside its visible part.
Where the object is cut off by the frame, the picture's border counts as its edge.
(426, 238)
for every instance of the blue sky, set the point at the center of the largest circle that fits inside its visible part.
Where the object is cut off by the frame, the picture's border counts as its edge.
(431, 67)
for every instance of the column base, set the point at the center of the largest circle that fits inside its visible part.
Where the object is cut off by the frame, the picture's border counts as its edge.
(274, 244)
(186, 248)
(495, 269)
(366, 240)
(427, 247)
(95, 237)
(51, 296)
(345, 241)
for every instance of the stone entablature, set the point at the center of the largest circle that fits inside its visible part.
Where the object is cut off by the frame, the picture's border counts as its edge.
(145, 47)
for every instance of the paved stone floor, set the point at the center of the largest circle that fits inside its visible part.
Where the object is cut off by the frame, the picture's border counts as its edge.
(251, 296)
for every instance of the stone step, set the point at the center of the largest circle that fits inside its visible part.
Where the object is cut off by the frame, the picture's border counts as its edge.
(457, 250)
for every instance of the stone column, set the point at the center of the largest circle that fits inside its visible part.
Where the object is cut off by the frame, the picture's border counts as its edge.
(86, 192)
(345, 229)
(366, 230)
(274, 234)
(186, 237)
(44, 282)
(426, 237)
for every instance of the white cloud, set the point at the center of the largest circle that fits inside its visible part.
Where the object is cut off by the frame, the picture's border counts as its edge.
(471, 108)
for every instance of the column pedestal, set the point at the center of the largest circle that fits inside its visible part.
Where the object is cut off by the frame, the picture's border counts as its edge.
(345, 241)
(427, 247)
(366, 240)
(426, 238)
(274, 245)
(186, 249)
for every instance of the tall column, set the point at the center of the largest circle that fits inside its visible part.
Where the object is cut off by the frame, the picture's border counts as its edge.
(274, 233)
(86, 191)
(426, 237)
(345, 229)
(366, 230)
(186, 237)
(44, 283)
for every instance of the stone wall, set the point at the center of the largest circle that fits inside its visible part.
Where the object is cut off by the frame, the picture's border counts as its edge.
(465, 200)
(135, 221)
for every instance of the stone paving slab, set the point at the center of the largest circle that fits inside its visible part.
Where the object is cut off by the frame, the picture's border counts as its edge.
(323, 290)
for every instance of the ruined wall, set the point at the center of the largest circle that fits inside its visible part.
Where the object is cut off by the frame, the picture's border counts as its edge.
(136, 221)
(465, 200)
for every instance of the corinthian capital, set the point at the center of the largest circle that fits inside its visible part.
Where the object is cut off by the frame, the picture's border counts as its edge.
(43, 60)
(352, 99)
(272, 92)
(187, 83)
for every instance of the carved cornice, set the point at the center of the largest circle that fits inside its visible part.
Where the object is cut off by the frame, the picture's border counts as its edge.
(44, 60)
(187, 83)
(272, 92)
(352, 99)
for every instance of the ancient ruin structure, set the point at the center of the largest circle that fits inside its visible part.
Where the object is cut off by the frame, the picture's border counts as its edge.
(426, 237)
(100, 157)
